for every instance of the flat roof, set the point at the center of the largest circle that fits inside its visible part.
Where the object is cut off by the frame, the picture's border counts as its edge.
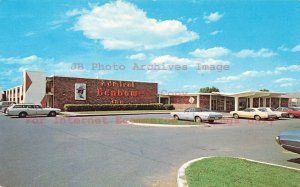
(238, 94)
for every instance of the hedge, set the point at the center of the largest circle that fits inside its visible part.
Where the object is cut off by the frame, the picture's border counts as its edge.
(112, 107)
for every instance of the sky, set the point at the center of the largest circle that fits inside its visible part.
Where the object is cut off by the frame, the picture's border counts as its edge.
(247, 45)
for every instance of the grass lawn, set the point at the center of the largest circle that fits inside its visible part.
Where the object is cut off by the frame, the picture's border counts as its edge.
(164, 121)
(221, 171)
(123, 111)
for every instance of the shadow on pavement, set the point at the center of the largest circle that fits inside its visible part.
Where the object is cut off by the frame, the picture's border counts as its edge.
(294, 160)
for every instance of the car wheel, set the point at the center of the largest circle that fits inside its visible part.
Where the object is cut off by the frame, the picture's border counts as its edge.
(22, 115)
(235, 116)
(291, 115)
(257, 118)
(52, 114)
(210, 121)
(198, 119)
(176, 117)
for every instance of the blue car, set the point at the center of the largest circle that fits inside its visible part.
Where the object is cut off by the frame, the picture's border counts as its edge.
(290, 140)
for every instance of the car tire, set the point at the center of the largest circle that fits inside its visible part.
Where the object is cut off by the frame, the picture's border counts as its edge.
(235, 116)
(210, 121)
(52, 114)
(23, 115)
(257, 118)
(291, 115)
(198, 119)
(176, 117)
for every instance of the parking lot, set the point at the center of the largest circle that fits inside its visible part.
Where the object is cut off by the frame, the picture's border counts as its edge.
(105, 151)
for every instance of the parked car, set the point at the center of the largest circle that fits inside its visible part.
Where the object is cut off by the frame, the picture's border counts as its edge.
(24, 110)
(5, 104)
(253, 113)
(290, 140)
(291, 111)
(278, 114)
(197, 115)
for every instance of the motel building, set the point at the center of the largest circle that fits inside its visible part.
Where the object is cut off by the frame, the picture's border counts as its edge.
(56, 91)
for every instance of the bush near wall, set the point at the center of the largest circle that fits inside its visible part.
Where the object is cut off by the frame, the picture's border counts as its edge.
(113, 107)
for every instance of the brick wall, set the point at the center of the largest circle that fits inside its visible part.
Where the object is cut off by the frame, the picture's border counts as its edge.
(284, 102)
(180, 102)
(182, 99)
(204, 101)
(64, 91)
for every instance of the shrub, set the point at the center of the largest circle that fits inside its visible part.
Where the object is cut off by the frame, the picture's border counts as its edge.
(113, 107)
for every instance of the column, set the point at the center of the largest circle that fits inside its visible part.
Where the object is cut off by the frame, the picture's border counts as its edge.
(270, 102)
(225, 109)
(158, 98)
(236, 103)
(259, 102)
(279, 101)
(251, 102)
(169, 100)
(264, 102)
(210, 102)
(198, 101)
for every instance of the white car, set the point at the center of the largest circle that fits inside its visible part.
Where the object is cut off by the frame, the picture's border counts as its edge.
(197, 115)
(277, 113)
(24, 110)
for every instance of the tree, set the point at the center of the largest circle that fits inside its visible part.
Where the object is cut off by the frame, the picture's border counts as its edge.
(264, 90)
(209, 89)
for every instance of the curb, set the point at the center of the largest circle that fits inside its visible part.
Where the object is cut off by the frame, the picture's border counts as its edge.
(162, 125)
(112, 114)
(181, 178)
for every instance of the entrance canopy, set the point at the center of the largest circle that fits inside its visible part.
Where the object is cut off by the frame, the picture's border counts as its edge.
(251, 94)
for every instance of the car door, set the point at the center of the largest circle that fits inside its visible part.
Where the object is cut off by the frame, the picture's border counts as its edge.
(39, 110)
(243, 113)
(190, 114)
(31, 110)
(185, 114)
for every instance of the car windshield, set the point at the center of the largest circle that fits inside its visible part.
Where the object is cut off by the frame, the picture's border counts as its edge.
(273, 109)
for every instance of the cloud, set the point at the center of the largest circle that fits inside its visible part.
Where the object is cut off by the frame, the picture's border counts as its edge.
(284, 80)
(168, 59)
(287, 84)
(192, 20)
(296, 48)
(246, 74)
(211, 52)
(212, 17)
(283, 48)
(213, 33)
(138, 56)
(21, 60)
(122, 25)
(264, 53)
(289, 68)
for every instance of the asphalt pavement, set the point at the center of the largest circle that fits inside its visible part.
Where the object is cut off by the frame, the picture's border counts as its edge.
(105, 151)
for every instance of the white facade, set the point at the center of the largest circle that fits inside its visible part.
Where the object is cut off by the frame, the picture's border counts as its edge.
(34, 87)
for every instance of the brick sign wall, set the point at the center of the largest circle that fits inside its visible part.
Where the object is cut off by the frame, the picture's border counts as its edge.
(103, 92)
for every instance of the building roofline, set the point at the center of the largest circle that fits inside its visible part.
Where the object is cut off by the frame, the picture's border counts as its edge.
(53, 76)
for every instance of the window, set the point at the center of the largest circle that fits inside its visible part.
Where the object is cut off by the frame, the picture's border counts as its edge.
(38, 106)
(187, 110)
(262, 109)
(247, 110)
(30, 106)
(19, 106)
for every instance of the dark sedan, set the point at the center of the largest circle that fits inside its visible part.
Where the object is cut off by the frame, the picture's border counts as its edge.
(290, 140)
